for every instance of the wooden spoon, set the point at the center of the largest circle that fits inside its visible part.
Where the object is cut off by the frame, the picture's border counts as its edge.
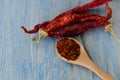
(84, 60)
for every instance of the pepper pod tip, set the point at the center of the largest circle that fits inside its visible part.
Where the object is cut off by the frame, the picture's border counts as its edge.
(109, 29)
(42, 34)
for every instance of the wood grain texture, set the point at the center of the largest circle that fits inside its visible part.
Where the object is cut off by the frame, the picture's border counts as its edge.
(21, 60)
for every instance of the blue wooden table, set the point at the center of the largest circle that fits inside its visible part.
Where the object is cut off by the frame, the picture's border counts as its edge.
(22, 60)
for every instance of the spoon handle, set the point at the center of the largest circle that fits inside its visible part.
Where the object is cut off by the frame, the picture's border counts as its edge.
(93, 67)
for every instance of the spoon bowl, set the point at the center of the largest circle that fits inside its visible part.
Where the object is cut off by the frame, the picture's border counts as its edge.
(84, 60)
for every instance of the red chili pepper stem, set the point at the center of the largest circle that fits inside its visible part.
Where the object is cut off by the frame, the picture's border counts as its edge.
(42, 34)
(110, 29)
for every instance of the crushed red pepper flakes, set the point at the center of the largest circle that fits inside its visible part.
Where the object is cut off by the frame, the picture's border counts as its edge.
(68, 48)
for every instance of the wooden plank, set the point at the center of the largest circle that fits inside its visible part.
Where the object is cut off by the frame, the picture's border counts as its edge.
(21, 60)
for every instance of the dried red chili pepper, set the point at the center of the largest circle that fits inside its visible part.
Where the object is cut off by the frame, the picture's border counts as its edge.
(36, 27)
(109, 15)
(94, 3)
(59, 26)
(83, 8)
(86, 23)
(77, 29)
(71, 18)
(63, 21)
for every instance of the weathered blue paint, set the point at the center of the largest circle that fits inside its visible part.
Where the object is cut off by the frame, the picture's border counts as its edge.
(21, 60)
